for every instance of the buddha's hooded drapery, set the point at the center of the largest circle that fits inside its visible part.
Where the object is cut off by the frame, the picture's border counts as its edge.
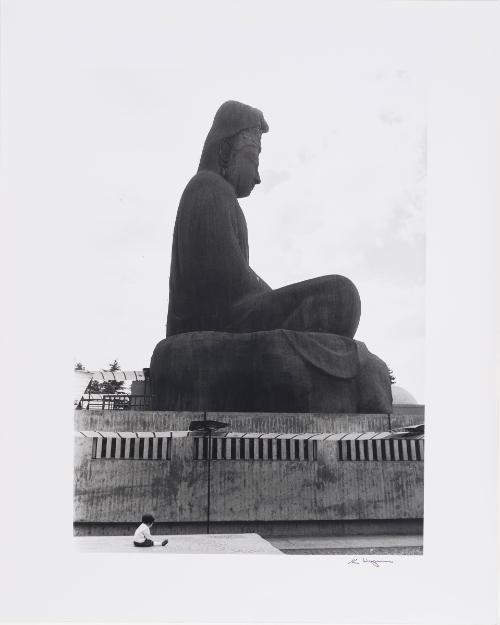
(231, 118)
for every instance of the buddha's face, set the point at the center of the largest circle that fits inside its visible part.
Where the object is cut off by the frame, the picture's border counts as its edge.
(242, 170)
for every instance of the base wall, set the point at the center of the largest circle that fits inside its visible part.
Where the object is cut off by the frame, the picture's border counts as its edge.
(266, 530)
(325, 489)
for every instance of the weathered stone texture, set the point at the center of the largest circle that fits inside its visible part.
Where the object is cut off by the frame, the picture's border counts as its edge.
(175, 491)
(278, 371)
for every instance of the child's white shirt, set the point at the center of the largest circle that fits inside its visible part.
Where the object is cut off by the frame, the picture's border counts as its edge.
(142, 533)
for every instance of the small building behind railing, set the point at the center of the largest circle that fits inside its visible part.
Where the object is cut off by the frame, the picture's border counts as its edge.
(116, 401)
(137, 397)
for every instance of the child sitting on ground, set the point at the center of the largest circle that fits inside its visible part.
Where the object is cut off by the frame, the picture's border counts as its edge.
(142, 536)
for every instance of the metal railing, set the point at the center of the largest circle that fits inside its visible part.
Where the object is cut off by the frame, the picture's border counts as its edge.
(115, 401)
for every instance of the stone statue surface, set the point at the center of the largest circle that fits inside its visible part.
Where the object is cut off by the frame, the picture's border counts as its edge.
(233, 343)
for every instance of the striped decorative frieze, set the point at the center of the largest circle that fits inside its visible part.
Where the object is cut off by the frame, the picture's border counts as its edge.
(254, 448)
(378, 448)
(351, 446)
(132, 448)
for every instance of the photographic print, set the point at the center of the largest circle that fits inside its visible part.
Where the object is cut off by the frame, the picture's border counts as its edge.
(256, 241)
(250, 301)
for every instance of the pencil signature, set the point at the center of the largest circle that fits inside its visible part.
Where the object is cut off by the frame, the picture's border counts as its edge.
(376, 563)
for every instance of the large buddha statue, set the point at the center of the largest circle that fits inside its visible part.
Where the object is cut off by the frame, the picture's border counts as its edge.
(233, 343)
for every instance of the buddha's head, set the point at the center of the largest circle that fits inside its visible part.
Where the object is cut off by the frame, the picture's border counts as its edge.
(232, 146)
(239, 161)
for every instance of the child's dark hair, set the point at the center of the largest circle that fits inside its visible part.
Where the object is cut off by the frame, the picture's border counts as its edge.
(148, 519)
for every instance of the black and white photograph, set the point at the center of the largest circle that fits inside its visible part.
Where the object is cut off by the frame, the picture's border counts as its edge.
(257, 263)
(273, 288)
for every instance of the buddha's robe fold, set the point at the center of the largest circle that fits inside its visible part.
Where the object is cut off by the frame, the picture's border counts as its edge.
(212, 286)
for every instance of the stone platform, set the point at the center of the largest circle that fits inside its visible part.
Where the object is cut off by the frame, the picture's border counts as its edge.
(180, 544)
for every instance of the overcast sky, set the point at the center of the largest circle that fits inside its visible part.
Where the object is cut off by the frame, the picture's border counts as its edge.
(343, 166)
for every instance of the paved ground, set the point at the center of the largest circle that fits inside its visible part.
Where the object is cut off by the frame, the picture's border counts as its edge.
(343, 545)
(253, 543)
(179, 543)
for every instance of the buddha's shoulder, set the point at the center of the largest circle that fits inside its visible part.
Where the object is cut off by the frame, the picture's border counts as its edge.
(208, 183)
